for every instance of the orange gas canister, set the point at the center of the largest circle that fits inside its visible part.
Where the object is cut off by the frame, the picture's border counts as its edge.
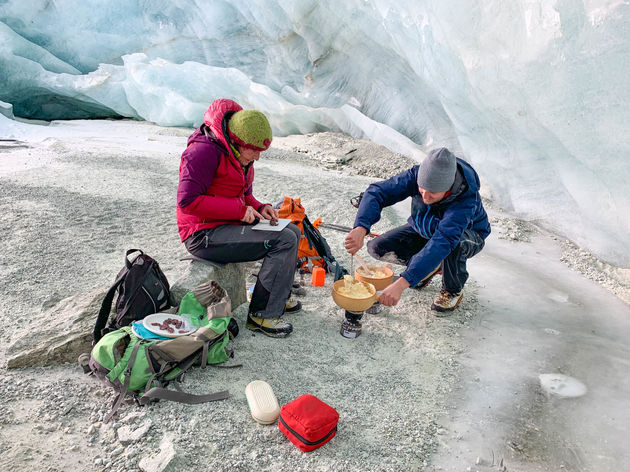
(319, 277)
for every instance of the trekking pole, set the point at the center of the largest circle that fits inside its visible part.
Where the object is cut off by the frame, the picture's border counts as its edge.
(343, 229)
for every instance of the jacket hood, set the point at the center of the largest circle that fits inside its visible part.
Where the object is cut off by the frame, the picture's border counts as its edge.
(466, 180)
(469, 174)
(213, 119)
(199, 136)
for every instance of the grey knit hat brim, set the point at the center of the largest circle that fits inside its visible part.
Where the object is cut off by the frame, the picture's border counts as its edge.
(437, 171)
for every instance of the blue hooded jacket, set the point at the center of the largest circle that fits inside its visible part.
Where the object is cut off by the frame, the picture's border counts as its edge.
(442, 223)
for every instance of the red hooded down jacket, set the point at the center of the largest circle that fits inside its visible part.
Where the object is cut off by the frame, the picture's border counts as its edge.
(213, 187)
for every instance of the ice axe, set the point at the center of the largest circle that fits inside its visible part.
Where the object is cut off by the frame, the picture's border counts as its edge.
(318, 223)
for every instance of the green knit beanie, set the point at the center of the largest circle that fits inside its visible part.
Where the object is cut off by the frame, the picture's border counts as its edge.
(250, 129)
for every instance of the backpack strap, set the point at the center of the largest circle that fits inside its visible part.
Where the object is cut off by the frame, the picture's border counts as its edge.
(158, 393)
(157, 374)
(317, 241)
(129, 263)
(106, 306)
(340, 271)
(204, 355)
(162, 393)
(123, 391)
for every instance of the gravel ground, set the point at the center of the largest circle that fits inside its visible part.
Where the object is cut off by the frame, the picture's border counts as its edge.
(71, 205)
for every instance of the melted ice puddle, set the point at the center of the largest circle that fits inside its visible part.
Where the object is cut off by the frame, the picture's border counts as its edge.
(562, 385)
(558, 296)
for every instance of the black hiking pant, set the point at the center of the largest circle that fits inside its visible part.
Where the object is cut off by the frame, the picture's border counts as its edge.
(240, 243)
(399, 245)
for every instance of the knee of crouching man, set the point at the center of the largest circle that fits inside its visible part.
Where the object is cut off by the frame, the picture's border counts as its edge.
(372, 249)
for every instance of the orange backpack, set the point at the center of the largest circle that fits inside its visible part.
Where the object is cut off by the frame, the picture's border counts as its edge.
(308, 255)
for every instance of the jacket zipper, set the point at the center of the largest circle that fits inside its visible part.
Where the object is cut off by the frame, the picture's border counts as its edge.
(306, 441)
(424, 219)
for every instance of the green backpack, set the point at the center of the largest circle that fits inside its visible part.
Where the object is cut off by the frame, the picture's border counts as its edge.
(142, 368)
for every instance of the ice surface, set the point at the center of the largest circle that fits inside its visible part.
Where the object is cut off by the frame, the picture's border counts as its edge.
(6, 109)
(465, 385)
(533, 92)
(561, 385)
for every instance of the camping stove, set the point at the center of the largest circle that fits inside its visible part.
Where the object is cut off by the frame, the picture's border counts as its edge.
(351, 326)
(375, 309)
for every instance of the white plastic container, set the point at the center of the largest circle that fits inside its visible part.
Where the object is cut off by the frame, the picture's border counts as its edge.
(262, 402)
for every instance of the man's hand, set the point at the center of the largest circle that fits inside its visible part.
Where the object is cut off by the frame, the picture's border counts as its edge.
(269, 213)
(251, 215)
(391, 294)
(354, 240)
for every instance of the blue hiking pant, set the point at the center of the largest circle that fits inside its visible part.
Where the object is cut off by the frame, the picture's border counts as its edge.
(401, 244)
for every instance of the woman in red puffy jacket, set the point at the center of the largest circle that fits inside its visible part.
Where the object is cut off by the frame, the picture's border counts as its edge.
(216, 206)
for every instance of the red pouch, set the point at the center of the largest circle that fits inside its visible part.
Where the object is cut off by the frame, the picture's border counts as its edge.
(308, 422)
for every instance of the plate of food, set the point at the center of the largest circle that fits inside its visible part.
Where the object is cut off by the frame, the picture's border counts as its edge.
(168, 325)
(141, 332)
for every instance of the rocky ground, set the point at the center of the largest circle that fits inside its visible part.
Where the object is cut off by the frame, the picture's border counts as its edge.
(73, 202)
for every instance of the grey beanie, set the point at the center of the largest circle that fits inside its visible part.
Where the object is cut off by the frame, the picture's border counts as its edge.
(437, 172)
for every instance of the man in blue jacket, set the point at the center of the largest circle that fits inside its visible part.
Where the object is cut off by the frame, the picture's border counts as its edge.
(447, 226)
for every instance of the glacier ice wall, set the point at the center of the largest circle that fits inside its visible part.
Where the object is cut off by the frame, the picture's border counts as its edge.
(533, 92)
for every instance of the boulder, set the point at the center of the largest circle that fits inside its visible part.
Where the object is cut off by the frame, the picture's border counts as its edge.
(64, 333)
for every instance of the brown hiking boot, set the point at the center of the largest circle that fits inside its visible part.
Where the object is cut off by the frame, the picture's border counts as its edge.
(274, 327)
(446, 301)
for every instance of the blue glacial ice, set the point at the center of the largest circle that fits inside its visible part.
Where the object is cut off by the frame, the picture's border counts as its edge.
(533, 92)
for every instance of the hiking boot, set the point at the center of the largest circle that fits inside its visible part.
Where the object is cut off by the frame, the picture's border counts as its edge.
(447, 301)
(292, 306)
(274, 327)
(298, 290)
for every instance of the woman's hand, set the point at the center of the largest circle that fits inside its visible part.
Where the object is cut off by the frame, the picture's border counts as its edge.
(354, 240)
(269, 213)
(251, 215)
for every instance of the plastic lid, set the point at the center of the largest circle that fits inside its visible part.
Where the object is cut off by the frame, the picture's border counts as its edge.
(262, 402)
